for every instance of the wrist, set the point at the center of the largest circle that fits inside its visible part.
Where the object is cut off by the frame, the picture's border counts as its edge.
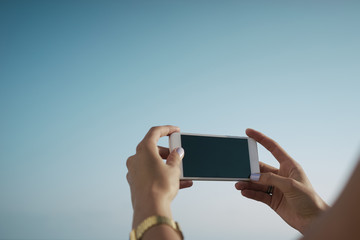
(149, 207)
(157, 227)
(322, 207)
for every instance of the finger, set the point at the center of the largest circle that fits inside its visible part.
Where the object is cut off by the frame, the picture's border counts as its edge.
(155, 133)
(185, 183)
(164, 152)
(269, 144)
(267, 168)
(284, 184)
(175, 157)
(242, 185)
(257, 195)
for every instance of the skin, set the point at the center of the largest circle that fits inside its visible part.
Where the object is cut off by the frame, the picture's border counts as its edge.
(293, 198)
(153, 182)
(342, 221)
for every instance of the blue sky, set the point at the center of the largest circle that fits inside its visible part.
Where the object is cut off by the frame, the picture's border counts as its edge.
(82, 82)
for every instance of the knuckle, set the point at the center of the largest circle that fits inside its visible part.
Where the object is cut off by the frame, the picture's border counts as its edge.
(128, 178)
(144, 147)
(151, 133)
(139, 147)
(269, 178)
(270, 175)
(297, 166)
(153, 129)
(129, 161)
(292, 183)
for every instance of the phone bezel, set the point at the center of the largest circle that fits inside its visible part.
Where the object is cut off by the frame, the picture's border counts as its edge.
(175, 142)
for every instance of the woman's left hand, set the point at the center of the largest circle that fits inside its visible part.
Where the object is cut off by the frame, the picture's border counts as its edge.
(293, 197)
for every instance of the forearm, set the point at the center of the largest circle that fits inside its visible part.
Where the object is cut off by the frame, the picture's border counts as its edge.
(342, 220)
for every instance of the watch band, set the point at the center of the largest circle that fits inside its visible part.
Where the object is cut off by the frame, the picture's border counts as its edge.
(137, 234)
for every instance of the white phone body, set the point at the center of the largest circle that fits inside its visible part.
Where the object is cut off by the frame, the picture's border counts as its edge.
(252, 166)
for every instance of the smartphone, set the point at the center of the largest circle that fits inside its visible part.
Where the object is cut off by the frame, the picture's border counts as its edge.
(214, 157)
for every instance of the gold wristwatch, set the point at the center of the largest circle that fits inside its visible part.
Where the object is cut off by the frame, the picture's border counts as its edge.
(136, 234)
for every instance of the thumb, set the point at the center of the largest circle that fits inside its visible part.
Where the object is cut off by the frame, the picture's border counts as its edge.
(175, 157)
(284, 184)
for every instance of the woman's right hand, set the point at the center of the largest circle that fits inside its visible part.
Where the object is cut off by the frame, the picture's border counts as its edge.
(293, 197)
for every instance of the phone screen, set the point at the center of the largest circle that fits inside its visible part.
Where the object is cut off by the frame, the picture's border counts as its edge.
(215, 157)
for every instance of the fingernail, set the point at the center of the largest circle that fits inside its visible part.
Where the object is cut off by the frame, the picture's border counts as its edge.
(180, 151)
(255, 177)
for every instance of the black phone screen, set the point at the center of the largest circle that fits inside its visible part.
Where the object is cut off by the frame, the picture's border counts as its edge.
(215, 157)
